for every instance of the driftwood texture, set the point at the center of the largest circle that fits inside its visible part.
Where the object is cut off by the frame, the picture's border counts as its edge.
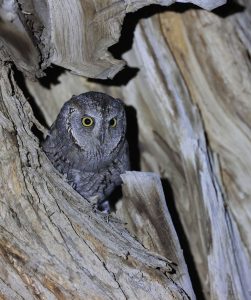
(52, 244)
(192, 96)
(193, 110)
(145, 210)
(74, 34)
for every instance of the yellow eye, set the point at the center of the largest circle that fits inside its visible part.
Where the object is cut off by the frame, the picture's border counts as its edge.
(113, 122)
(87, 121)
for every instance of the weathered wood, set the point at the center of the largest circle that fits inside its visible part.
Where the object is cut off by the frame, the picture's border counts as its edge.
(220, 84)
(192, 100)
(16, 40)
(74, 34)
(145, 211)
(181, 154)
(52, 244)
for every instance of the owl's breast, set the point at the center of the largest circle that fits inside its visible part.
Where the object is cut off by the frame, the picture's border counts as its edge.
(90, 184)
(99, 183)
(93, 159)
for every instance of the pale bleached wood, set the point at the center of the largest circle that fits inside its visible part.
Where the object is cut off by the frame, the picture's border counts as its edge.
(145, 210)
(216, 68)
(194, 78)
(52, 244)
(74, 34)
(172, 131)
(16, 40)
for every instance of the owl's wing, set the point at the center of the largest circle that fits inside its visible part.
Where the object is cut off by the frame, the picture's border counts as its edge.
(56, 150)
(120, 165)
(125, 160)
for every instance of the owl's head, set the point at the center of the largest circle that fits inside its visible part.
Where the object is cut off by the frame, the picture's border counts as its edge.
(96, 124)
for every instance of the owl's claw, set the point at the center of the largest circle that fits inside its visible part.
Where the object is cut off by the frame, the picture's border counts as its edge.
(94, 203)
(104, 206)
(93, 199)
(107, 218)
(105, 214)
(94, 207)
(97, 205)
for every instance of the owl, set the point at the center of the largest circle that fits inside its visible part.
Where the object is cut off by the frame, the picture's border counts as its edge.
(87, 143)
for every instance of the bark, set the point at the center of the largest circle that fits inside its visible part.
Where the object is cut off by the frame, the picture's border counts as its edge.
(74, 35)
(53, 245)
(145, 211)
(193, 110)
(192, 102)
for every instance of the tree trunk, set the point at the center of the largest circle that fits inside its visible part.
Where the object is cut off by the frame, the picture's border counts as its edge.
(191, 96)
(53, 245)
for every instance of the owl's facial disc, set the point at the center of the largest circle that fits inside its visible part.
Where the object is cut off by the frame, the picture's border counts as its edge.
(98, 129)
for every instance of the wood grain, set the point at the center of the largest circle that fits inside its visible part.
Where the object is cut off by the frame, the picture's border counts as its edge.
(73, 34)
(192, 101)
(52, 244)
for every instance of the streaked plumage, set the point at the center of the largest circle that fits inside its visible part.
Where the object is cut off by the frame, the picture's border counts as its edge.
(92, 156)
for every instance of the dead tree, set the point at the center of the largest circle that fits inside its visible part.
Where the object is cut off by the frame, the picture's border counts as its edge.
(191, 94)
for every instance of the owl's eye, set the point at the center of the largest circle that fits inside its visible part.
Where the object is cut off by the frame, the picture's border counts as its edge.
(87, 121)
(113, 122)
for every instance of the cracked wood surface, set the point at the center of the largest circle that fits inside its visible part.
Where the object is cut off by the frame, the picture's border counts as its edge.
(193, 109)
(144, 208)
(73, 34)
(52, 244)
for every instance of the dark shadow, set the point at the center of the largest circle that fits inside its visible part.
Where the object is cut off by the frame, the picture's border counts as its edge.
(115, 196)
(121, 78)
(130, 22)
(20, 80)
(51, 76)
(230, 8)
(37, 132)
(170, 201)
(126, 39)
(132, 19)
(132, 136)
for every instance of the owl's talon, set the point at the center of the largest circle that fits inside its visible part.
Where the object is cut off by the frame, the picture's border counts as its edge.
(94, 207)
(104, 207)
(107, 218)
(65, 177)
(93, 200)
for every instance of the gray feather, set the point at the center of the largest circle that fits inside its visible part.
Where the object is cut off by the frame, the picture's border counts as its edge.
(92, 158)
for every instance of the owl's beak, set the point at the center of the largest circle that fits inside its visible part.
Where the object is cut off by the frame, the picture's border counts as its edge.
(101, 138)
